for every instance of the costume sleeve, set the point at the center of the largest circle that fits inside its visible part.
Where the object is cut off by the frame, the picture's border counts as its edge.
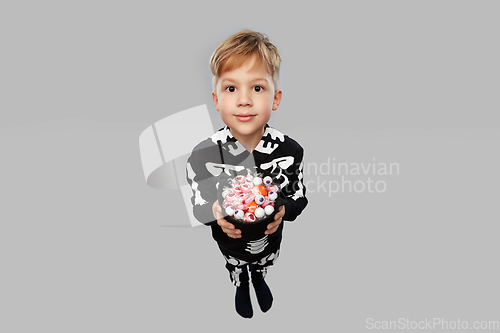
(295, 191)
(202, 184)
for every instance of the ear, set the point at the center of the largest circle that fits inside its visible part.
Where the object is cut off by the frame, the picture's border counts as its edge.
(277, 99)
(216, 100)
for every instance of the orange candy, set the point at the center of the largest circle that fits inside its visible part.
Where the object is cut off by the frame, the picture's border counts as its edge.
(252, 206)
(260, 188)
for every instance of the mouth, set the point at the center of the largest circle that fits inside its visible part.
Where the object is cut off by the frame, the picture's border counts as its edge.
(244, 116)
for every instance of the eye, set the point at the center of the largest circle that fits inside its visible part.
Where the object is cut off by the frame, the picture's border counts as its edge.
(258, 88)
(230, 88)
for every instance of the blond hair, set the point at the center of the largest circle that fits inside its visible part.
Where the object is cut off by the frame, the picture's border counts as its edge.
(235, 50)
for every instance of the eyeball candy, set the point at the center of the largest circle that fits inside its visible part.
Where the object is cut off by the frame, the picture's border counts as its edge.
(239, 214)
(259, 199)
(272, 195)
(259, 213)
(267, 180)
(269, 210)
(257, 181)
(230, 210)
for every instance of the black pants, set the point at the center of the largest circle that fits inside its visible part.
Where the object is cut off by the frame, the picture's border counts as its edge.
(238, 268)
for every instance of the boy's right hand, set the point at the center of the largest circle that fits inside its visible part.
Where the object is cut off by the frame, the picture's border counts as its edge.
(227, 227)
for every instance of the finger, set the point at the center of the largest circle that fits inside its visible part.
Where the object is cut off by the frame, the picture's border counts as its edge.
(224, 224)
(218, 214)
(234, 233)
(229, 229)
(271, 230)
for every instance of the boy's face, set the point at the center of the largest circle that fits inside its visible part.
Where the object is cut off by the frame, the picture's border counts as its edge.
(245, 98)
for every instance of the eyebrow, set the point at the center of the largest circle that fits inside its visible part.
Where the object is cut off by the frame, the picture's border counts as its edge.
(260, 79)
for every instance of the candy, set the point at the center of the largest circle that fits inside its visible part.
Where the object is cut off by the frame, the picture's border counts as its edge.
(243, 196)
(259, 213)
(250, 198)
(230, 210)
(239, 214)
(272, 188)
(259, 199)
(250, 217)
(226, 192)
(241, 206)
(269, 210)
(245, 187)
(252, 206)
(259, 189)
(267, 203)
(237, 199)
(230, 197)
(272, 195)
(241, 179)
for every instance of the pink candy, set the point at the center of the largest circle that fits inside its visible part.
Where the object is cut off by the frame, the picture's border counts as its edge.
(267, 202)
(241, 179)
(241, 206)
(250, 198)
(272, 188)
(250, 217)
(243, 196)
(231, 197)
(245, 187)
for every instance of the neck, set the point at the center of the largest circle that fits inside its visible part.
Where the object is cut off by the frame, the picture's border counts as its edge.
(250, 142)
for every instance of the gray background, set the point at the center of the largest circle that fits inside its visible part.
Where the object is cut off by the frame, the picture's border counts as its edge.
(87, 246)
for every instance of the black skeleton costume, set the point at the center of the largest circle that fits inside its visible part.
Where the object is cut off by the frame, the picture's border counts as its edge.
(276, 154)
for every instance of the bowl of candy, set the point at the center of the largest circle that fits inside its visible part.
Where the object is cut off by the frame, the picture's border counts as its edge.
(250, 201)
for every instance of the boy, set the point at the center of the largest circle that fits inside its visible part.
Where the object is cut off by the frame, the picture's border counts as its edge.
(245, 71)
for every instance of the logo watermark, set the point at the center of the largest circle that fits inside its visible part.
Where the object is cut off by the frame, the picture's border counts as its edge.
(431, 324)
(334, 177)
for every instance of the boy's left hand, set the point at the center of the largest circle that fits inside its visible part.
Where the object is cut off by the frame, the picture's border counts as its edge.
(272, 227)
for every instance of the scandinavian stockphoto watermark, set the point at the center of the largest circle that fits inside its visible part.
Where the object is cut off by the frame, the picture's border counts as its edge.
(431, 324)
(335, 177)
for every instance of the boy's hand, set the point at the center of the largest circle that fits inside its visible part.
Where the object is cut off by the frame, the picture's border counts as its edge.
(272, 227)
(227, 227)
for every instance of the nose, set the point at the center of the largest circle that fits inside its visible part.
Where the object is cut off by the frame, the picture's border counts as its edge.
(244, 99)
